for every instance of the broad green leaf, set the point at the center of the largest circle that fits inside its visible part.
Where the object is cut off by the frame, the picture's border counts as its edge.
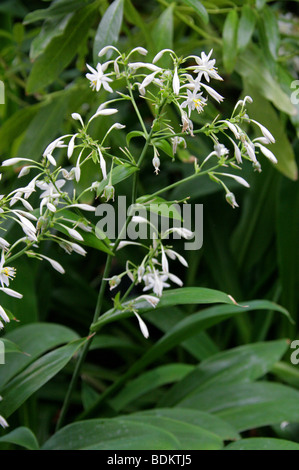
(33, 340)
(287, 242)
(271, 30)
(242, 364)
(198, 418)
(133, 16)
(43, 128)
(61, 50)
(262, 443)
(119, 173)
(199, 8)
(58, 8)
(10, 347)
(133, 134)
(248, 405)
(230, 31)
(164, 145)
(49, 31)
(246, 27)
(200, 346)
(35, 376)
(189, 436)
(160, 206)
(111, 434)
(262, 111)
(254, 71)
(16, 125)
(185, 295)
(149, 381)
(162, 35)
(109, 28)
(23, 437)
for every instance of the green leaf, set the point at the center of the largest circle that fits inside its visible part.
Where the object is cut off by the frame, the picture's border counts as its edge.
(254, 71)
(61, 50)
(263, 443)
(230, 31)
(185, 295)
(33, 340)
(287, 242)
(199, 8)
(162, 35)
(198, 418)
(119, 173)
(241, 364)
(49, 31)
(262, 111)
(43, 128)
(10, 347)
(189, 436)
(248, 405)
(35, 376)
(160, 206)
(133, 134)
(58, 8)
(109, 28)
(271, 30)
(165, 146)
(23, 437)
(111, 434)
(14, 126)
(246, 27)
(149, 381)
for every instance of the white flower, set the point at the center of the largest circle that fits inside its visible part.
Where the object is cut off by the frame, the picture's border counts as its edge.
(267, 153)
(220, 150)
(239, 179)
(102, 164)
(4, 245)
(205, 67)
(176, 82)
(156, 161)
(13, 161)
(72, 232)
(155, 280)
(4, 315)
(142, 325)
(78, 117)
(57, 266)
(267, 134)
(187, 123)
(153, 301)
(177, 141)
(98, 78)
(3, 422)
(11, 292)
(213, 93)
(173, 255)
(71, 146)
(194, 101)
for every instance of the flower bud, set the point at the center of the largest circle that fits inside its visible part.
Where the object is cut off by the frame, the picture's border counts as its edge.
(230, 197)
(156, 163)
(108, 192)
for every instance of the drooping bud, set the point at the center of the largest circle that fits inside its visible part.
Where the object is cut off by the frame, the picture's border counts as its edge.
(108, 192)
(230, 197)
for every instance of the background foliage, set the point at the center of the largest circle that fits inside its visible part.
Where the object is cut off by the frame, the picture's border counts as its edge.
(208, 375)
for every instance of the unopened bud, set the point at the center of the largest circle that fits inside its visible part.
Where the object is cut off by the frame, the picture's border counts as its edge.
(230, 197)
(156, 163)
(108, 192)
